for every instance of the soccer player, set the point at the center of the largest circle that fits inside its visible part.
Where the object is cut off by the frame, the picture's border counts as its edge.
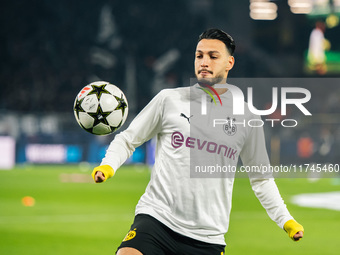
(179, 214)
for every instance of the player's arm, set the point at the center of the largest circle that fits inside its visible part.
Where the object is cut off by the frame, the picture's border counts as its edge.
(269, 196)
(254, 153)
(144, 126)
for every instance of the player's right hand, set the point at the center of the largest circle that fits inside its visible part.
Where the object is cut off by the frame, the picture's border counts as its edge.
(102, 173)
(99, 177)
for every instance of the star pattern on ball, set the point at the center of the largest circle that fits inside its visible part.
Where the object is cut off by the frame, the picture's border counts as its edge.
(98, 90)
(99, 116)
(77, 107)
(121, 103)
(97, 97)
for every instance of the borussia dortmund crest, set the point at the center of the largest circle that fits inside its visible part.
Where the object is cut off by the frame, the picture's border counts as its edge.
(130, 235)
(230, 127)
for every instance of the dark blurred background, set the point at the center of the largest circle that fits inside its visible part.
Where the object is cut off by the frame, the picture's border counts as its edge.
(51, 49)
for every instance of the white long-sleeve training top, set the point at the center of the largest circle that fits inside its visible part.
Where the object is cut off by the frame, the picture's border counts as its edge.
(188, 190)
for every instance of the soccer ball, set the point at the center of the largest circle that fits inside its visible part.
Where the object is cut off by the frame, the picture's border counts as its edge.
(100, 108)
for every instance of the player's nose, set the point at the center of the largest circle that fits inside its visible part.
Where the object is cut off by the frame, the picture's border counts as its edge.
(205, 62)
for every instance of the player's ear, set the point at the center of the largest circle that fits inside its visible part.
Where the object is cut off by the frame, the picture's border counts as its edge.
(231, 62)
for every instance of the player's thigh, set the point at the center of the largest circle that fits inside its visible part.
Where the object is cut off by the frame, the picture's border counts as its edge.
(148, 236)
(189, 246)
(128, 251)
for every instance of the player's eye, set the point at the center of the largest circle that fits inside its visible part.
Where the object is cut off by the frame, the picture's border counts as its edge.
(213, 57)
(199, 56)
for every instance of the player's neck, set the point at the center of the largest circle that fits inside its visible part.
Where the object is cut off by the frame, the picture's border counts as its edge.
(221, 91)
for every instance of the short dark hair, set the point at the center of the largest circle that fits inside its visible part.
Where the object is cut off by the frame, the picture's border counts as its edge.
(214, 33)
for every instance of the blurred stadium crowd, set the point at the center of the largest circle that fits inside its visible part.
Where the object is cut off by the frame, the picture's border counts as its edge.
(51, 49)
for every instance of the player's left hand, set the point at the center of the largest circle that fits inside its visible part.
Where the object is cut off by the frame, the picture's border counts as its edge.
(298, 236)
(294, 230)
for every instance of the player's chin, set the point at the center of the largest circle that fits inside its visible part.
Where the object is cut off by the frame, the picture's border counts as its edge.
(206, 80)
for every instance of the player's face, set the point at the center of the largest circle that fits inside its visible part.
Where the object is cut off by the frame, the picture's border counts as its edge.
(212, 61)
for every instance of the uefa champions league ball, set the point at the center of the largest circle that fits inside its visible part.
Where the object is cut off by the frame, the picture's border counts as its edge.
(100, 108)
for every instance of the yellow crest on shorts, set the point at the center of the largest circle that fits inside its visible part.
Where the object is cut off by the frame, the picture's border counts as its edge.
(130, 235)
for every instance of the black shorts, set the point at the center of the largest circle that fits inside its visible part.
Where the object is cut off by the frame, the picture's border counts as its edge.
(151, 237)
